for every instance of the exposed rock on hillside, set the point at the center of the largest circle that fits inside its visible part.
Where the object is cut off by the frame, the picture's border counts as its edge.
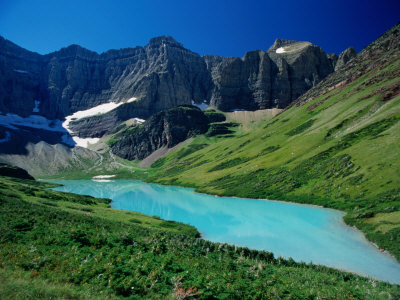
(166, 128)
(344, 57)
(378, 54)
(269, 79)
(42, 159)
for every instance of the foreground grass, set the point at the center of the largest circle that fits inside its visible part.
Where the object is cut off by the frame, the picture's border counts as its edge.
(57, 245)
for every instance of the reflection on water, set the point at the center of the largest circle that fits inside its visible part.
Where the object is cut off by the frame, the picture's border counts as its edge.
(305, 233)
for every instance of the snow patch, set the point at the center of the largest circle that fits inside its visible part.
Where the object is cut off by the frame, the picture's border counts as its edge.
(280, 50)
(94, 111)
(140, 121)
(36, 108)
(33, 121)
(202, 106)
(77, 141)
(21, 71)
(85, 142)
(97, 110)
(131, 100)
(7, 138)
(103, 176)
(12, 121)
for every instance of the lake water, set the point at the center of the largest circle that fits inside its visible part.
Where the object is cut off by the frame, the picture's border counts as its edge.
(305, 233)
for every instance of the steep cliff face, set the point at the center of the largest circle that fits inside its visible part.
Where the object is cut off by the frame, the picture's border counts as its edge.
(20, 72)
(166, 128)
(268, 79)
(160, 75)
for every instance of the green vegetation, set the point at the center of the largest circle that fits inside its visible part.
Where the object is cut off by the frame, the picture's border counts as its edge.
(79, 248)
(226, 164)
(214, 116)
(338, 148)
(301, 128)
(221, 129)
(189, 149)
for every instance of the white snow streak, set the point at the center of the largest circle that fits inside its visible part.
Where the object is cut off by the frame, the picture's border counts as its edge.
(280, 50)
(21, 71)
(39, 122)
(94, 111)
(202, 106)
(103, 176)
(33, 121)
(140, 121)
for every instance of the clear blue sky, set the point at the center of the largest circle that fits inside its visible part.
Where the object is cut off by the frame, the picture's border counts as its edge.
(228, 28)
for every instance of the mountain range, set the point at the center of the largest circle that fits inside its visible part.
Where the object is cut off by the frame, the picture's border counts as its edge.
(43, 90)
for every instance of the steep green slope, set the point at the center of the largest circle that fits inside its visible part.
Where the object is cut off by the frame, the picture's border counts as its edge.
(337, 146)
(58, 245)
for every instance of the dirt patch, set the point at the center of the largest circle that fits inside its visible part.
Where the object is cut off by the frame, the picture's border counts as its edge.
(248, 117)
(158, 154)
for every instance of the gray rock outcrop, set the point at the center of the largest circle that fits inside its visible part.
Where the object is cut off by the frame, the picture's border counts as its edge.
(269, 79)
(344, 57)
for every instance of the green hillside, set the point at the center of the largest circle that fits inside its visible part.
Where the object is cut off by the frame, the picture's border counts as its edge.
(62, 246)
(338, 146)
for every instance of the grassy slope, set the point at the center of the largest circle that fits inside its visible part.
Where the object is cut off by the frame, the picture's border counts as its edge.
(338, 147)
(57, 245)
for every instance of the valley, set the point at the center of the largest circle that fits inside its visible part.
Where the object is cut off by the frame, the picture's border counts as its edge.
(292, 124)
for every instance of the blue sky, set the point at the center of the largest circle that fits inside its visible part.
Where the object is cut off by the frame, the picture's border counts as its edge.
(227, 28)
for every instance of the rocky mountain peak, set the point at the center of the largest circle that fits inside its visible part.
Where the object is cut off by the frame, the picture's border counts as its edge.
(164, 40)
(73, 50)
(279, 43)
(289, 48)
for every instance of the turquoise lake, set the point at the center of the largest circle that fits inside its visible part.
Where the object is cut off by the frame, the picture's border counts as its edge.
(303, 232)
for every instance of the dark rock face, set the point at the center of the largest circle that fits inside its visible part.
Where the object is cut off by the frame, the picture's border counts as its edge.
(344, 57)
(11, 171)
(96, 126)
(267, 79)
(19, 78)
(160, 75)
(333, 59)
(164, 129)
